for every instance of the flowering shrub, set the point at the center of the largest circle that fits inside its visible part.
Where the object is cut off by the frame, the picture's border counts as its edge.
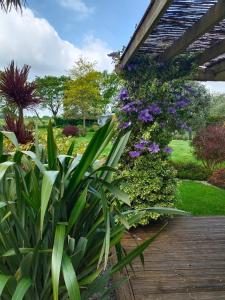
(218, 178)
(149, 182)
(70, 130)
(209, 145)
(153, 105)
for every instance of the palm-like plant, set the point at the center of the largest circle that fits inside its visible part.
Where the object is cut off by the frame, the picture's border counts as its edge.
(8, 4)
(59, 220)
(16, 89)
(18, 94)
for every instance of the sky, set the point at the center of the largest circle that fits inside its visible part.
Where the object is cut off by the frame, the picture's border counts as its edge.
(50, 35)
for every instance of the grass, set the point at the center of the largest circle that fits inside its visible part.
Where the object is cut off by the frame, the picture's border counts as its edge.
(182, 152)
(200, 199)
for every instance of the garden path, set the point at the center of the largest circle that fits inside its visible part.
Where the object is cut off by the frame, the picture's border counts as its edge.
(186, 261)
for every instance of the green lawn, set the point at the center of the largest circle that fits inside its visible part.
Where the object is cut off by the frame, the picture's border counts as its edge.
(200, 199)
(182, 152)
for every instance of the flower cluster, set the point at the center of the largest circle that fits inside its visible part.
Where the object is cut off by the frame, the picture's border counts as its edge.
(148, 147)
(166, 112)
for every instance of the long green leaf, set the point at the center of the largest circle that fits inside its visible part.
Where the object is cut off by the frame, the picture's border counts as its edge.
(77, 209)
(4, 167)
(90, 155)
(57, 254)
(135, 253)
(12, 137)
(70, 278)
(46, 190)
(3, 281)
(33, 156)
(21, 289)
(52, 149)
(118, 193)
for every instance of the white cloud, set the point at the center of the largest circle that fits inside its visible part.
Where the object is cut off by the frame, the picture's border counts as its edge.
(33, 41)
(79, 6)
(215, 86)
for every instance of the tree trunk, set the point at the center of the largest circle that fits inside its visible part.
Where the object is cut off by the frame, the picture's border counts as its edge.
(21, 115)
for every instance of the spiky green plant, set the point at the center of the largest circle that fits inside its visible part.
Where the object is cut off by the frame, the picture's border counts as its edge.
(57, 220)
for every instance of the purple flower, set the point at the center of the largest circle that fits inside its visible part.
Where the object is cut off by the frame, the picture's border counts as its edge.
(145, 116)
(172, 110)
(141, 145)
(154, 148)
(130, 107)
(182, 103)
(154, 109)
(134, 154)
(123, 95)
(168, 150)
(124, 125)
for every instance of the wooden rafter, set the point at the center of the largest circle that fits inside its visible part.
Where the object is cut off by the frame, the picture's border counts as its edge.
(212, 52)
(214, 73)
(214, 15)
(150, 19)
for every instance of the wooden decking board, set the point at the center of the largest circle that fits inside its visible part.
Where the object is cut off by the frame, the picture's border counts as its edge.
(186, 261)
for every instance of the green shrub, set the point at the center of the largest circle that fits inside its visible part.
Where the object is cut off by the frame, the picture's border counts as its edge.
(149, 182)
(192, 171)
(58, 220)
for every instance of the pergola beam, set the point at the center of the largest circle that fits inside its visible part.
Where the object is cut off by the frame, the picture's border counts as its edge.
(212, 52)
(214, 73)
(214, 15)
(147, 24)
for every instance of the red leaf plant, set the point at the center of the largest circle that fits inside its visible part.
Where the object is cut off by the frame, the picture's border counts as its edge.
(209, 145)
(17, 126)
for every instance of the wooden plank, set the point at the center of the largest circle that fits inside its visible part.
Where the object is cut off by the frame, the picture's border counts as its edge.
(212, 52)
(209, 75)
(218, 295)
(148, 22)
(186, 261)
(207, 22)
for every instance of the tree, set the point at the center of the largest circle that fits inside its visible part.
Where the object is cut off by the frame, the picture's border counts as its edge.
(111, 83)
(83, 92)
(16, 90)
(81, 68)
(8, 4)
(217, 107)
(51, 91)
(199, 107)
(82, 96)
(18, 94)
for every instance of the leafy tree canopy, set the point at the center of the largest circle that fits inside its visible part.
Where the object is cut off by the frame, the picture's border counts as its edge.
(51, 90)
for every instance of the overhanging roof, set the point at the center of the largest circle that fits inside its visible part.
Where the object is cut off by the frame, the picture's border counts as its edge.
(171, 27)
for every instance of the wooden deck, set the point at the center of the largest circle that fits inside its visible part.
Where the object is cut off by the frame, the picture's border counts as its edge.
(186, 262)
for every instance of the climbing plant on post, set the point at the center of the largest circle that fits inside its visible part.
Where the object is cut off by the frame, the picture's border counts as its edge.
(154, 103)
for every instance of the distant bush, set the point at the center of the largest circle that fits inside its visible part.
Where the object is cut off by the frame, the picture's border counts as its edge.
(64, 122)
(216, 120)
(71, 130)
(192, 171)
(218, 178)
(209, 145)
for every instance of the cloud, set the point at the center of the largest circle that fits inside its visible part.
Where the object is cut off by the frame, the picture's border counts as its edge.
(33, 41)
(78, 6)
